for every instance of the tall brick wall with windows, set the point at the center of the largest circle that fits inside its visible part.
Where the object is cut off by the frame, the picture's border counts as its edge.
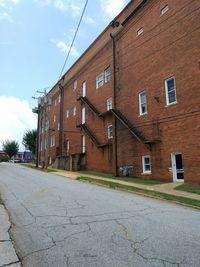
(168, 47)
(157, 95)
(97, 157)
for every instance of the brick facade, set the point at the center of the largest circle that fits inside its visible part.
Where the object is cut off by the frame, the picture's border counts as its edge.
(153, 41)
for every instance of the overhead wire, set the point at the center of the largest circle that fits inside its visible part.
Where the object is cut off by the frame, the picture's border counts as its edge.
(73, 40)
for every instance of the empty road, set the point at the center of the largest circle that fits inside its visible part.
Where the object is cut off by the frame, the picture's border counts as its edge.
(59, 222)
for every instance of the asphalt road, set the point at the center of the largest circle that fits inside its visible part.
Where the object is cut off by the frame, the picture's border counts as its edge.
(59, 222)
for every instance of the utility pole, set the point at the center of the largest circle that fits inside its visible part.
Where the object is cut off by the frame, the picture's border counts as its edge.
(43, 102)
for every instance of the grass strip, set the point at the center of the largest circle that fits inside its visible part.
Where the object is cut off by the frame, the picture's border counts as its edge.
(127, 179)
(32, 166)
(168, 197)
(191, 188)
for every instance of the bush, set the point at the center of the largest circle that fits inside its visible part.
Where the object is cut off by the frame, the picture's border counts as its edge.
(4, 159)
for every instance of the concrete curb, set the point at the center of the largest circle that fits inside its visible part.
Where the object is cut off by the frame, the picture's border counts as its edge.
(8, 256)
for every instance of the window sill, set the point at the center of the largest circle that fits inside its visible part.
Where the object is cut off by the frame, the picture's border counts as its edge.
(146, 173)
(171, 104)
(142, 115)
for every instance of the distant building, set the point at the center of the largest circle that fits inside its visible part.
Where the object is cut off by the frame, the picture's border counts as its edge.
(19, 156)
(28, 156)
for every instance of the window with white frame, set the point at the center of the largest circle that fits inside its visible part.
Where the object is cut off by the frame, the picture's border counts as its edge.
(110, 131)
(47, 125)
(75, 83)
(109, 103)
(41, 145)
(146, 164)
(67, 113)
(107, 75)
(74, 111)
(45, 143)
(54, 117)
(142, 103)
(140, 31)
(99, 81)
(59, 97)
(52, 140)
(170, 91)
(84, 89)
(164, 10)
(58, 126)
(83, 143)
(67, 147)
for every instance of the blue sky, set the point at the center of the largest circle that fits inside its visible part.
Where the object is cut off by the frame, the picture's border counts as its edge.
(34, 40)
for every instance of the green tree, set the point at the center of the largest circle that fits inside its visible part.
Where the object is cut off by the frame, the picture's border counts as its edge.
(29, 140)
(10, 147)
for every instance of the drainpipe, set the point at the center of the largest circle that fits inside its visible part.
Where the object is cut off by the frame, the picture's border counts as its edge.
(114, 102)
(37, 138)
(61, 117)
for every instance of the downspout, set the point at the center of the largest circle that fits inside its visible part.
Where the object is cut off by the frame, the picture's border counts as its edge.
(37, 138)
(61, 117)
(114, 103)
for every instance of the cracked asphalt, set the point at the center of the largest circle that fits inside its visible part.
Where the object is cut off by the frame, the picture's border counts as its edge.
(59, 222)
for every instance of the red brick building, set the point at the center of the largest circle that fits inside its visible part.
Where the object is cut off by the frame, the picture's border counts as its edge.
(130, 104)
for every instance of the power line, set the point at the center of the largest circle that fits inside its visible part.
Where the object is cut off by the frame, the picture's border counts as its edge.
(70, 48)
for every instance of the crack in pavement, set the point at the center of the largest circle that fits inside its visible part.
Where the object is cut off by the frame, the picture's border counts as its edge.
(134, 245)
(9, 264)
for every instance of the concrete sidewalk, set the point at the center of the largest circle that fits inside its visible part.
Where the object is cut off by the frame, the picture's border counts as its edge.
(167, 188)
(8, 256)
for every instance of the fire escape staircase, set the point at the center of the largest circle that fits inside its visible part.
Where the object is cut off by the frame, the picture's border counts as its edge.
(131, 127)
(89, 104)
(92, 136)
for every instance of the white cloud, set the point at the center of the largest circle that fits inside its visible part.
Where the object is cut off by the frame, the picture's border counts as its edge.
(89, 20)
(74, 6)
(111, 8)
(5, 16)
(16, 118)
(6, 4)
(64, 47)
(6, 7)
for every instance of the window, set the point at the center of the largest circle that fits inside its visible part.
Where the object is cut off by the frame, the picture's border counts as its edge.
(67, 147)
(107, 74)
(83, 143)
(140, 31)
(47, 125)
(109, 103)
(59, 98)
(99, 81)
(45, 143)
(67, 113)
(110, 131)
(75, 85)
(54, 117)
(52, 140)
(58, 126)
(142, 103)
(164, 10)
(41, 145)
(84, 89)
(146, 164)
(170, 91)
(74, 111)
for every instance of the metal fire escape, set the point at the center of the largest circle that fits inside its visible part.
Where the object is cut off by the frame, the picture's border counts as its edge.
(92, 136)
(131, 127)
(122, 118)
